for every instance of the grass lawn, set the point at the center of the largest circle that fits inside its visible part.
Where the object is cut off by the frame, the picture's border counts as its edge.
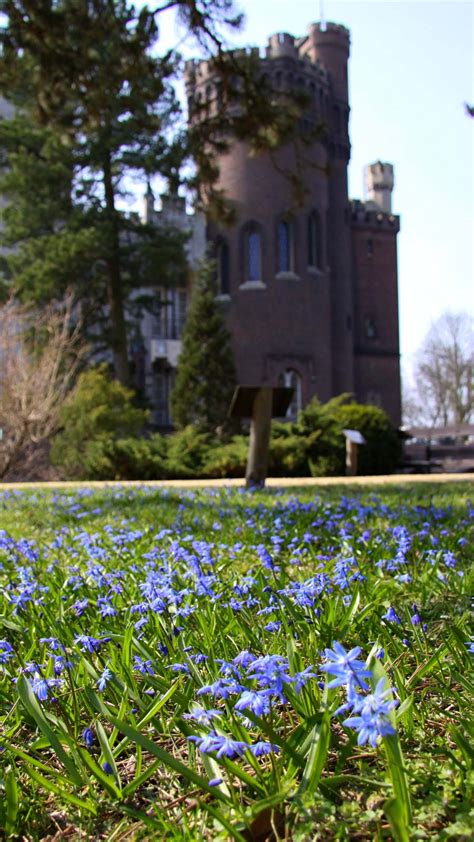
(213, 664)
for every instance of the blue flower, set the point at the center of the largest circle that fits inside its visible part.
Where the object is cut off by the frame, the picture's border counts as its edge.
(88, 737)
(265, 557)
(104, 679)
(61, 663)
(373, 720)
(222, 688)
(140, 665)
(262, 748)
(52, 642)
(345, 666)
(255, 700)
(6, 651)
(89, 644)
(224, 746)
(202, 716)
(302, 678)
(231, 748)
(206, 744)
(273, 626)
(179, 668)
(41, 686)
(392, 616)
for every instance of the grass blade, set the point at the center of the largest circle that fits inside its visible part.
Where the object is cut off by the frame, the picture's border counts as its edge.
(33, 707)
(317, 756)
(12, 801)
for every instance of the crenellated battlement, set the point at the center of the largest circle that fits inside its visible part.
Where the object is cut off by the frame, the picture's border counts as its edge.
(365, 215)
(280, 45)
(304, 56)
(332, 29)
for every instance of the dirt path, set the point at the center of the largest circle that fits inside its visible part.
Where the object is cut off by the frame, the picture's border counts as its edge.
(272, 482)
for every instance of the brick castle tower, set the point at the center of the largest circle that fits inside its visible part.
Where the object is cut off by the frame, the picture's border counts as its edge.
(309, 292)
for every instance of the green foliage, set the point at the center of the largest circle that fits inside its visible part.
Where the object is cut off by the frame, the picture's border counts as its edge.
(326, 452)
(289, 450)
(206, 375)
(136, 599)
(102, 439)
(186, 452)
(382, 452)
(226, 459)
(98, 412)
(99, 109)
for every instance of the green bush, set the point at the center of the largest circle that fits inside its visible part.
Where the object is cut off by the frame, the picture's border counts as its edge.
(97, 413)
(186, 452)
(101, 439)
(289, 451)
(382, 452)
(226, 460)
(326, 453)
(318, 424)
(143, 459)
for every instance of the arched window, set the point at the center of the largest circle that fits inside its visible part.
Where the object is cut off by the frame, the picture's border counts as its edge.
(252, 243)
(314, 240)
(284, 247)
(370, 328)
(291, 379)
(222, 268)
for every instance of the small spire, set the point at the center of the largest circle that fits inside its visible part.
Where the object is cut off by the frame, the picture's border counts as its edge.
(322, 18)
(148, 203)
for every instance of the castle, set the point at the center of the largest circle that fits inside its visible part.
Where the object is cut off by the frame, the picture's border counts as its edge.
(309, 292)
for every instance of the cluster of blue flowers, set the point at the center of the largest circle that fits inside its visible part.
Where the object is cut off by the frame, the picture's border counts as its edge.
(371, 709)
(270, 675)
(93, 584)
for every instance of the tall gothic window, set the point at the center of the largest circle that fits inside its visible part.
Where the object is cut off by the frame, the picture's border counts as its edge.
(252, 253)
(290, 378)
(223, 268)
(314, 240)
(284, 247)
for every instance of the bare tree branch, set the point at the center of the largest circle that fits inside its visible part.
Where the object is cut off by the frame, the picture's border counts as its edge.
(40, 353)
(444, 373)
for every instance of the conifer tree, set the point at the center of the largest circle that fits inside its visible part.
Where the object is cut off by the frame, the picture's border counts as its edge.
(97, 108)
(206, 375)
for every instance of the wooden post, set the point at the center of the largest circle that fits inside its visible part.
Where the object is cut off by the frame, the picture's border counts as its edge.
(260, 428)
(351, 458)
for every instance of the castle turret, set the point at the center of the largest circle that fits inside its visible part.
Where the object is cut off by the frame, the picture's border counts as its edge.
(281, 45)
(327, 45)
(375, 293)
(285, 268)
(330, 44)
(379, 183)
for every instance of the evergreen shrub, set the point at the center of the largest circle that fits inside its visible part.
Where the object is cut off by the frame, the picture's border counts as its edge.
(98, 412)
(102, 439)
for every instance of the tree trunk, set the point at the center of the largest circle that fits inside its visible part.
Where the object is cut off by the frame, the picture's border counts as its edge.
(114, 282)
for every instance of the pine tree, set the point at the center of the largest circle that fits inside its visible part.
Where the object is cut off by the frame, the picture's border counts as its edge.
(206, 375)
(98, 108)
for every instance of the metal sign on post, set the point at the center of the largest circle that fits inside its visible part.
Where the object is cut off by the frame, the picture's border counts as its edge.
(353, 439)
(260, 404)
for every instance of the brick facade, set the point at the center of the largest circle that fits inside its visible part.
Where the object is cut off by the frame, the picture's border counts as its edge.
(332, 319)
